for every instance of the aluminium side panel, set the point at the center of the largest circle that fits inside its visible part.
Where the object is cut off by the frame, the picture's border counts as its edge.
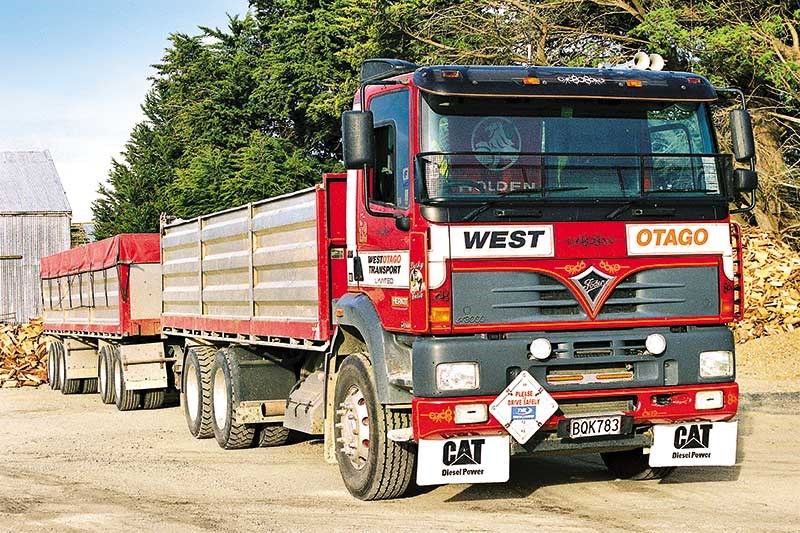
(250, 270)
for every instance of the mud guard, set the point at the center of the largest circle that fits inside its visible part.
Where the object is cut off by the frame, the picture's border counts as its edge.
(391, 360)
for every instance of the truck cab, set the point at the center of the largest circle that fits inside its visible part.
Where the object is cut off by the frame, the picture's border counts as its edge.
(539, 259)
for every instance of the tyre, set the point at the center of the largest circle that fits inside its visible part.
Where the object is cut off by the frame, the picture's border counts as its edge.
(269, 436)
(68, 386)
(105, 378)
(372, 466)
(89, 386)
(52, 366)
(126, 400)
(196, 390)
(633, 464)
(153, 399)
(229, 432)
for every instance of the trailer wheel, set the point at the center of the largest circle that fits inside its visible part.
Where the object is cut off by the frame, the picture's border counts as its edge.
(68, 386)
(126, 400)
(231, 434)
(52, 366)
(272, 435)
(153, 399)
(196, 390)
(89, 386)
(633, 464)
(372, 466)
(104, 375)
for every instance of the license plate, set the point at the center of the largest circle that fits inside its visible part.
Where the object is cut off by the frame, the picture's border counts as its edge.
(467, 460)
(594, 426)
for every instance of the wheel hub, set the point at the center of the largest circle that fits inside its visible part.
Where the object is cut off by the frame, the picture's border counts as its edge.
(354, 424)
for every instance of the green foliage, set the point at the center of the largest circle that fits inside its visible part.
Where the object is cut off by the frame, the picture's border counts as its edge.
(253, 110)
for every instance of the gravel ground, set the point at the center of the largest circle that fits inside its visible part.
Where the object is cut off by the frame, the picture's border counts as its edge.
(74, 464)
(769, 364)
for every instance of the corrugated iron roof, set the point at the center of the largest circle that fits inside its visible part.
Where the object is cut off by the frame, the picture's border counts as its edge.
(29, 183)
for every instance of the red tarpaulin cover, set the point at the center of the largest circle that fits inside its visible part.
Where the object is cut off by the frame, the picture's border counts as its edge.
(120, 249)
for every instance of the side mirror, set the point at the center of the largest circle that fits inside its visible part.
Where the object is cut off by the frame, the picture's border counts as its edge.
(745, 180)
(744, 147)
(358, 139)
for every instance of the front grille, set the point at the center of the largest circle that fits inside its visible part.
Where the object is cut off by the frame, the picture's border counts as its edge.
(498, 297)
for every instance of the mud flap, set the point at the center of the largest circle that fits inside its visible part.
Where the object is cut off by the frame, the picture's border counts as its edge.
(694, 444)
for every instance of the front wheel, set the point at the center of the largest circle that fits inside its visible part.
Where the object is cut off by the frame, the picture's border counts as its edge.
(633, 464)
(372, 466)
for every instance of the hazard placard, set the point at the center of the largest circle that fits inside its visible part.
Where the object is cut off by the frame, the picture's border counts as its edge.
(523, 407)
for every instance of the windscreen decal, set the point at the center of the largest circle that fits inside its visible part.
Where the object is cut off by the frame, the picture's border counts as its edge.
(501, 241)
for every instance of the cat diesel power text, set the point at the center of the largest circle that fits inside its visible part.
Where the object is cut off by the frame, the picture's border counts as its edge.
(519, 260)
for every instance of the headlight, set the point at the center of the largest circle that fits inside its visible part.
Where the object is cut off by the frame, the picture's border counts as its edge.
(457, 376)
(716, 364)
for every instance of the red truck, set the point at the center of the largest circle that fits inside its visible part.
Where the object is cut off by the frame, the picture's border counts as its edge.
(519, 260)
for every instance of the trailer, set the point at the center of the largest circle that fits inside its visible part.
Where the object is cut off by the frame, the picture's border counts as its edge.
(519, 261)
(101, 305)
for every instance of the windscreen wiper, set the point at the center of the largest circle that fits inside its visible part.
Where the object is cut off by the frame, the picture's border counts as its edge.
(645, 211)
(503, 195)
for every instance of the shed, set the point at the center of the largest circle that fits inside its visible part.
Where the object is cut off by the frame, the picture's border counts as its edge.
(34, 222)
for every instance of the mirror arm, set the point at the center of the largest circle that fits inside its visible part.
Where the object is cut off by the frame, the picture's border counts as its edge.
(747, 208)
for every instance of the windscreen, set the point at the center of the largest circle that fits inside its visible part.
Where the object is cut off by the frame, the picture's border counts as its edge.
(566, 148)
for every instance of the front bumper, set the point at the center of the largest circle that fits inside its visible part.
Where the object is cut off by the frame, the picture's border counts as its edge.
(434, 418)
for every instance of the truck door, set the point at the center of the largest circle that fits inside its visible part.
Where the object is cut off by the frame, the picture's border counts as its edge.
(382, 248)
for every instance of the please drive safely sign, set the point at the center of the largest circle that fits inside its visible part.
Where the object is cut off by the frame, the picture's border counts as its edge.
(523, 407)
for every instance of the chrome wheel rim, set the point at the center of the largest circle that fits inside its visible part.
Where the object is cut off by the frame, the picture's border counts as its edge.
(51, 364)
(118, 379)
(62, 370)
(354, 425)
(192, 388)
(102, 377)
(220, 405)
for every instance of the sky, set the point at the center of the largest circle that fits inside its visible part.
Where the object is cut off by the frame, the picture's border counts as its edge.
(74, 75)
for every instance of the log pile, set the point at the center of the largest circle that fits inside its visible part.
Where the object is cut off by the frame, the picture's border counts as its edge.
(771, 286)
(23, 355)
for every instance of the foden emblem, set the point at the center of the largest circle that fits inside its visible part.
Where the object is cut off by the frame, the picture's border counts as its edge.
(593, 284)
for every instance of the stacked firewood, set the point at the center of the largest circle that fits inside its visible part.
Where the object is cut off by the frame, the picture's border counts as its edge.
(772, 286)
(23, 355)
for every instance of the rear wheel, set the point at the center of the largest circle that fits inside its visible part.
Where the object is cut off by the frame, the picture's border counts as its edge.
(269, 436)
(372, 466)
(52, 366)
(196, 391)
(89, 386)
(229, 432)
(104, 375)
(126, 400)
(633, 464)
(68, 386)
(153, 399)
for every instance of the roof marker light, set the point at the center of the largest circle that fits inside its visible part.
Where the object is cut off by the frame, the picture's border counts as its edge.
(633, 83)
(531, 81)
